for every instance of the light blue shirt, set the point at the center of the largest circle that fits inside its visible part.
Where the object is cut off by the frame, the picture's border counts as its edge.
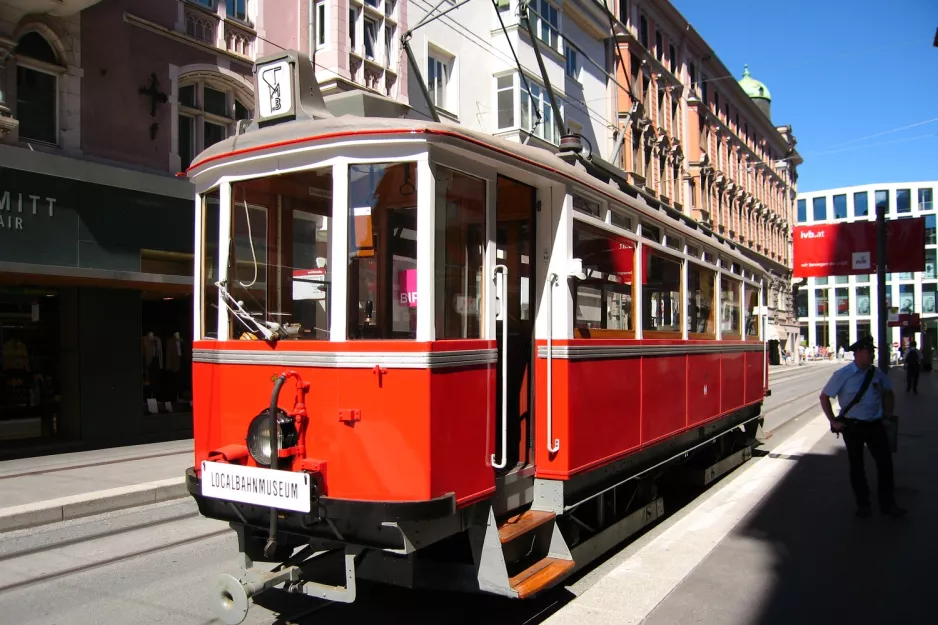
(846, 383)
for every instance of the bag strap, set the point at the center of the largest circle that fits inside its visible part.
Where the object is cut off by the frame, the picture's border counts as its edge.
(856, 398)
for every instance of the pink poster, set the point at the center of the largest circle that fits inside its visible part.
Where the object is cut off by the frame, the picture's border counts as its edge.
(407, 280)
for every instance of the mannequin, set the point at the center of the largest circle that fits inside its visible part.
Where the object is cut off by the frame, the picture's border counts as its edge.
(152, 351)
(173, 365)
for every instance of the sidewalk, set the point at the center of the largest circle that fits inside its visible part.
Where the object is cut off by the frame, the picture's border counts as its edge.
(780, 543)
(47, 489)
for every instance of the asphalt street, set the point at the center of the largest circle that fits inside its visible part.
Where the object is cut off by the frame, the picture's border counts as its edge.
(156, 564)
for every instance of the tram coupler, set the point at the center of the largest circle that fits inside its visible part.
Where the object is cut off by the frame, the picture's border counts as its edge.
(232, 596)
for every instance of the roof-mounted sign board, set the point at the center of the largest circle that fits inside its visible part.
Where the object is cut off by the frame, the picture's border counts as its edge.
(285, 89)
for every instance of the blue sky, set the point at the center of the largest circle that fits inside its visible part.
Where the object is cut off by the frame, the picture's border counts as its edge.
(839, 71)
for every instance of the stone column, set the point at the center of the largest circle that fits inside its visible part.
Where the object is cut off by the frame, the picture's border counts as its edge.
(7, 122)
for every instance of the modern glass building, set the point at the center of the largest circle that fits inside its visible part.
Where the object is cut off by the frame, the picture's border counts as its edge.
(834, 311)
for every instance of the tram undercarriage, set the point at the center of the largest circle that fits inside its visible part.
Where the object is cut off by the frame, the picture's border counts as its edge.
(526, 539)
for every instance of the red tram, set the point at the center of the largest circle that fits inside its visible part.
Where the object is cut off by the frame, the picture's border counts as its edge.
(477, 355)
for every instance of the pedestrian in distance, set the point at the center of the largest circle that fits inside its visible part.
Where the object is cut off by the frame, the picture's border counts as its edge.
(865, 395)
(913, 365)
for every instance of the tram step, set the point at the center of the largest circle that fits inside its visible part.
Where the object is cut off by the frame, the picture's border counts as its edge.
(523, 523)
(540, 576)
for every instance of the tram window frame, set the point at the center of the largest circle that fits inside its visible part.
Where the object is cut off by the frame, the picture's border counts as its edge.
(602, 287)
(710, 331)
(292, 203)
(211, 263)
(459, 218)
(649, 253)
(751, 317)
(371, 224)
(725, 279)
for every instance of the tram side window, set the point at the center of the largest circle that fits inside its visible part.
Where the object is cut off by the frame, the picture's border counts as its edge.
(752, 319)
(382, 251)
(459, 249)
(210, 264)
(281, 252)
(661, 294)
(701, 285)
(729, 307)
(602, 303)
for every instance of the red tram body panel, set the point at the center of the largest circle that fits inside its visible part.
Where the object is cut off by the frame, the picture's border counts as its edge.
(409, 441)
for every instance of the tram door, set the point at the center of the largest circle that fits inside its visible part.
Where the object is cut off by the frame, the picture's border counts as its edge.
(514, 243)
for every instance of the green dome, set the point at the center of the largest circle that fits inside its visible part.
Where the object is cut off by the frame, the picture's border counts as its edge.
(752, 87)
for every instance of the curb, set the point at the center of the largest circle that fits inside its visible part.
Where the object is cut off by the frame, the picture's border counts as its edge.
(88, 504)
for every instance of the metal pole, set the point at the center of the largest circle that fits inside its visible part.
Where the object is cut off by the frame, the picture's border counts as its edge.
(881, 285)
(412, 61)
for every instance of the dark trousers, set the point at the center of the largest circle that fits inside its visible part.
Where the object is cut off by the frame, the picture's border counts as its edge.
(911, 379)
(873, 434)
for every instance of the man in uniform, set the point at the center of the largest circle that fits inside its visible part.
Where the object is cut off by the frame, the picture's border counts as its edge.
(861, 422)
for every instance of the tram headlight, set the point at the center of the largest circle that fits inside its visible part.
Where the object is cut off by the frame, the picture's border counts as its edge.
(259, 438)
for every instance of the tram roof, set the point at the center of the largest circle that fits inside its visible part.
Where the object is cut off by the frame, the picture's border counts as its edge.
(281, 137)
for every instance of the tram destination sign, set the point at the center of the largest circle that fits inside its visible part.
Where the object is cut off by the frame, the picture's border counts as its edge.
(283, 490)
(850, 248)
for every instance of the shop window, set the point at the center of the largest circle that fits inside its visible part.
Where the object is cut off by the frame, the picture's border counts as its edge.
(382, 248)
(661, 293)
(37, 89)
(603, 294)
(165, 350)
(280, 253)
(208, 112)
(701, 285)
(863, 301)
(929, 298)
(906, 299)
(460, 246)
(801, 303)
(30, 363)
(729, 307)
(752, 316)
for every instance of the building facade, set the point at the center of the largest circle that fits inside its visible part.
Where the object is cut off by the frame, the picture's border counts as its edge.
(836, 310)
(698, 138)
(103, 103)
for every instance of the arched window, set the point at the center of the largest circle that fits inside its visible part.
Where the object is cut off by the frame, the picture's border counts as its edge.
(37, 88)
(208, 112)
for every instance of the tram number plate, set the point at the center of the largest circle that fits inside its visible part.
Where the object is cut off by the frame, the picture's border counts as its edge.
(284, 490)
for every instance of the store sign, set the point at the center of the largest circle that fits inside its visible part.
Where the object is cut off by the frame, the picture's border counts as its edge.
(407, 283)
(17, 208)
(850, 248)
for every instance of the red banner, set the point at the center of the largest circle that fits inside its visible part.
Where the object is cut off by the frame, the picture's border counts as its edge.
(850, 248)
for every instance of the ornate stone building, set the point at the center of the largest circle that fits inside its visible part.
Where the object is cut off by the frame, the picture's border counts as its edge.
(704, 142)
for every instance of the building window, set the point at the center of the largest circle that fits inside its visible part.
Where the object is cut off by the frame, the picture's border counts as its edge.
(903, 201)
(643, 31)
(659, 45)
(840, 206)
(371, 38)
(547, 129)
(929, 230)
(820, 209)
(882, 201)
(37, 89)
(930, 272)
(692, 71)
(571, 63)
(926, 199)
(842, 297)
(322, 24)
(352, 24)
(208, 112)
(672, 59)
(238, 9)
(861, 206)
(549, 25)
(438, 75)
(624, 11)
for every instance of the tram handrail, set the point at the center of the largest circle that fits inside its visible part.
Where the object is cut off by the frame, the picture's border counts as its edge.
(552, 281)
(502, 297)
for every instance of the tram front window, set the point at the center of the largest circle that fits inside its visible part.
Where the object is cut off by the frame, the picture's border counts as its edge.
(279, 264)
(382, 251)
